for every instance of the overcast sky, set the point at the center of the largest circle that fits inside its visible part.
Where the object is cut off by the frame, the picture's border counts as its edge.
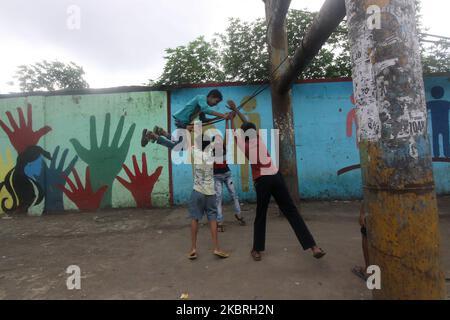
(122, 42)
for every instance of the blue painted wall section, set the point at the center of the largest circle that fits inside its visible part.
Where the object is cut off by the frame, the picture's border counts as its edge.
(326, 133)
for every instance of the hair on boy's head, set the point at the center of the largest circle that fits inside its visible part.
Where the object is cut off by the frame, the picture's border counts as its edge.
(215, 94)
(248, 126)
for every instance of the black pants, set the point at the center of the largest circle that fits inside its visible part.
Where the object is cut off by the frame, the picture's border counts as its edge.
(267, 186)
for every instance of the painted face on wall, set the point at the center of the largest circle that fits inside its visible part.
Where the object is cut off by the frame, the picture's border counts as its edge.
(33, 169)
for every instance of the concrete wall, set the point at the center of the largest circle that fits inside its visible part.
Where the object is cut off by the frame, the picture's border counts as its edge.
(327, 152)
(99, 131)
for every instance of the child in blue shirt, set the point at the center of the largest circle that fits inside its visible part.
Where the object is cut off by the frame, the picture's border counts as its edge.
(198, 106)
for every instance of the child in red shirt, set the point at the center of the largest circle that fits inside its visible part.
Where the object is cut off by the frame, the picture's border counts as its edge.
(268, 182)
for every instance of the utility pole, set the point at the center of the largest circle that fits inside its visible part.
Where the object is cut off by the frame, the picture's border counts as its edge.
(283, 118)
(399, 189)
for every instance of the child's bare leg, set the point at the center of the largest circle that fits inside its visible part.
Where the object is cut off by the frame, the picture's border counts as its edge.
(194, 232)
(217, 251)
(215, 239)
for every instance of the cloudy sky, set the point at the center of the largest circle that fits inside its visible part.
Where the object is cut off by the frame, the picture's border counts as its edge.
(122, 42)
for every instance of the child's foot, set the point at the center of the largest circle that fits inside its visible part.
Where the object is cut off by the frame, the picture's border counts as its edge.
(193, 255)
(144, 140)
(256, 255)
(221, 254)
(220, 227)
(318, 253)
(240, 219)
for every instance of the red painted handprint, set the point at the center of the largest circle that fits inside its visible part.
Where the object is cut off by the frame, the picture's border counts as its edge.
(83, 197)
(22, 136)
(141, 184)
(352, 119)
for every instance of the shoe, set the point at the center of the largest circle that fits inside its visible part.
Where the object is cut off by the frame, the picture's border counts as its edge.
(144, 139)
(161, 132)
(152, 137)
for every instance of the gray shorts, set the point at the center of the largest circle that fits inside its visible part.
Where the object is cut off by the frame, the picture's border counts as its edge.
(201, 204)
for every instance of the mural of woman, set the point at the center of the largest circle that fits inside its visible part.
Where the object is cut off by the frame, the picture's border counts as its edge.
(24, 191)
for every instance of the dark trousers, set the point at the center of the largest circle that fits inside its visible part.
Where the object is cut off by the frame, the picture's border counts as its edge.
(267, 186)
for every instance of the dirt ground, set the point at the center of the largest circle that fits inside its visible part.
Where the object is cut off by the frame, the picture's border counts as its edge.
(137, 254)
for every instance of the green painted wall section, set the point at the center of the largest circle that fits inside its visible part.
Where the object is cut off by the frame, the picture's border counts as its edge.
(78, 133)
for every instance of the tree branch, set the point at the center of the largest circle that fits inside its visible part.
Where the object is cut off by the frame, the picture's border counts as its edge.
(330, 16)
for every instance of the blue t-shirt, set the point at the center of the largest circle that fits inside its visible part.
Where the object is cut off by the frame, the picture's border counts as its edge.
(192, 109)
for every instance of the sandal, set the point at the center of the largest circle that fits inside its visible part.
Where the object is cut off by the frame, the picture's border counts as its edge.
(256, 255)
(320, 254)
(193, 255)
(221, 254)
(220, 228)
(240, 219)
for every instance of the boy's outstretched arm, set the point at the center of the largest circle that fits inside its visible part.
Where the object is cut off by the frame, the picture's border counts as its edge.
(235, 109)
(237, 134)
(227, 127)
(204, 119)
(220, 115)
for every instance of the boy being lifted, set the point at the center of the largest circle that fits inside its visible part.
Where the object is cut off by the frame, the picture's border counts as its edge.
(198, 106)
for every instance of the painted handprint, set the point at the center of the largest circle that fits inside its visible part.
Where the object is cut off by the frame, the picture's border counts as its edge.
(141, 184)
(22, 136)
(52, 176)
(84, 197)
(105, 160)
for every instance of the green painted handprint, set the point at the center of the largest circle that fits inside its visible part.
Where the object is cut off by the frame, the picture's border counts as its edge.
(105, 161)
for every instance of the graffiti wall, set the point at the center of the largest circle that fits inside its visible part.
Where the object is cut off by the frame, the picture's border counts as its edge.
(81, 152)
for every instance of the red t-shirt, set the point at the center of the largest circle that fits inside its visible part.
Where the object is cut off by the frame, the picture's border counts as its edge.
(256, 152)
(220, 168)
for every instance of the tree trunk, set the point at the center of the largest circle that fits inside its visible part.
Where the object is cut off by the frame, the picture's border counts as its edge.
(283, 119)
